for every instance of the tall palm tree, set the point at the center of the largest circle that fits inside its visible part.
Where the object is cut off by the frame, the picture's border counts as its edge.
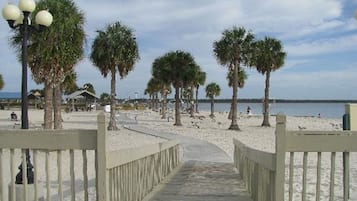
(114, 50)
(268, 57)
(53, 53)
(233, 50)
(199, 81)
(178, 70)
(212, 90)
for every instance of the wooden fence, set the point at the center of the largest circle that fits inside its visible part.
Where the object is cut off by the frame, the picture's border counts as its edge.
(269, 176)
(104, 175)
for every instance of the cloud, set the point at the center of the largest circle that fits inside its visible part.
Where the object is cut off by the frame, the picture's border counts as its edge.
(323, 46)
(308, 30)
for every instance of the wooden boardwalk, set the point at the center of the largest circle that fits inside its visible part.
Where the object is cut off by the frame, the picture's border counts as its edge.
(206, 174)
(201, 181)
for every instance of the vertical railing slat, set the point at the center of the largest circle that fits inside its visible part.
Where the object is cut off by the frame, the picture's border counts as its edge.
(318, 176)
(24, 174)
(2, 185)
(48, 178)
(12, 173)
(73, 190)
(280, 143)
(304, 176)
(85, 175)
(59, 175)
(332, 176)
(96, 174)
(291, 176)
(103, 175)
(346, 176)
(35, 174)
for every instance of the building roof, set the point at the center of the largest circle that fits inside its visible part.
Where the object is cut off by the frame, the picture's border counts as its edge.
(82, 94)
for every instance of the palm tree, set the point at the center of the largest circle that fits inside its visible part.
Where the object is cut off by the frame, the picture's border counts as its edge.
(154, 87)
(200, 80)
(158, 73)
(53, 53)
(114, 49)
(268, 57)
(212, 90)
(2, 83)
(232, 50)
(242, 77)
(178, 68)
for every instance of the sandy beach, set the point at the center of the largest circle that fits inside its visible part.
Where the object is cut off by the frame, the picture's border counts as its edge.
(205, 128)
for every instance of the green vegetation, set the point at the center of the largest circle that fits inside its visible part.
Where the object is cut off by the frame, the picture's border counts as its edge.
(232, 51)
(268, 56)
(54, 52)
(114, 50)
(212, 90)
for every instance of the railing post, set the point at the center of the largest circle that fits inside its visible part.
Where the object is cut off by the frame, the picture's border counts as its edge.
(280, 147)
(101, 161)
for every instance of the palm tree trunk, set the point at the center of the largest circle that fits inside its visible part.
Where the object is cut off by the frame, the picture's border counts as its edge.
(191, 102)
(266, 100)
(156, 101)
(57, 92)
(230, 110)
(112, 123)
(177, 107)
(48, 107)
(234, 125)
(163, 103)
(212, 108)
(197, 100)
(152, 102)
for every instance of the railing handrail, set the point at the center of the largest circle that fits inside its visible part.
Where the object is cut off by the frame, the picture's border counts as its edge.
(48, 139)
(254, 161)
(266, 159)
(123, 156)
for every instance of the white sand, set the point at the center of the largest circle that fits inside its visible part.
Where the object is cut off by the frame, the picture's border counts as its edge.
(253, 135)
(204, 128)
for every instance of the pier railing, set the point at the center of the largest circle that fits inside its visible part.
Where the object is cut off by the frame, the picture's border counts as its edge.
(103, 175)
(301, 160)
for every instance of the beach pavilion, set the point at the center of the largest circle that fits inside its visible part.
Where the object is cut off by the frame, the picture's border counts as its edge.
(82, 96)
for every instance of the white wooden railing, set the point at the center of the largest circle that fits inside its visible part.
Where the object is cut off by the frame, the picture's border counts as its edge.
(269, 176)
(105, 175)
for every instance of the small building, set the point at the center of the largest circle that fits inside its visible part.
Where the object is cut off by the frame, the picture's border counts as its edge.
(82, 100)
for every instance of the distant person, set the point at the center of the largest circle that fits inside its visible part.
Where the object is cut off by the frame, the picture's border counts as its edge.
(249, 111)
(13, 116)
(319, 115)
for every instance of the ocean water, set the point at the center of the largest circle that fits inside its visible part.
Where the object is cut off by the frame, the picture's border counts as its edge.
(326, 110)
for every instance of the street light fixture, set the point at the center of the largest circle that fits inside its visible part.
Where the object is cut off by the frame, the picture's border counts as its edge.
(17, 20)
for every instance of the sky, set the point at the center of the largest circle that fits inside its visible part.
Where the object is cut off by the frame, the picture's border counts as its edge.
(319, 36)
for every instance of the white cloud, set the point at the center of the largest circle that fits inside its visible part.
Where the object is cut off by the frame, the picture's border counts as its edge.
(322, 46)
(307, 28)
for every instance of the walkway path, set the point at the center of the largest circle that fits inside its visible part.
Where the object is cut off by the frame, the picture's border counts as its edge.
(207, 172)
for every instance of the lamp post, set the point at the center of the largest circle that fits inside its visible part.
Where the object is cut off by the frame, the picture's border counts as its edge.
(20, 21)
